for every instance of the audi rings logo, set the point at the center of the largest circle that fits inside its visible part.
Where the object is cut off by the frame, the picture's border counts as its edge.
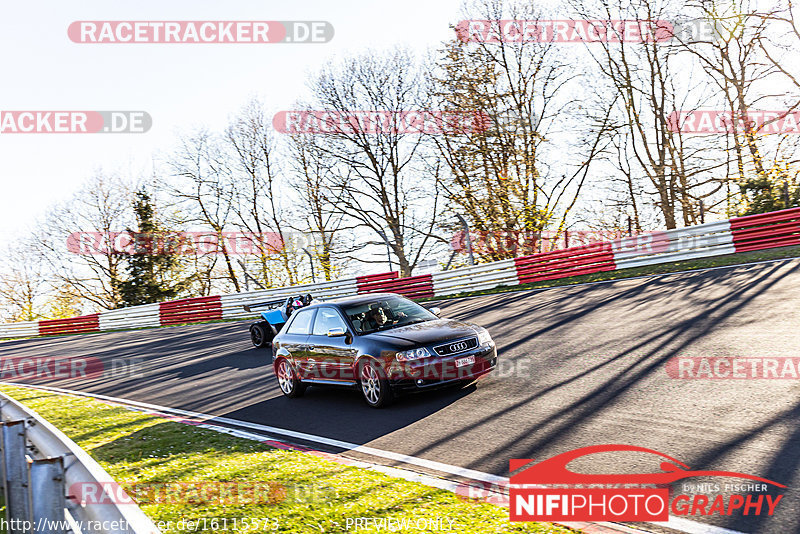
(458, 347)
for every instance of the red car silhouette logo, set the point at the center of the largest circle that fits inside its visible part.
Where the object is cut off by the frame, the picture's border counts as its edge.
(554, 470)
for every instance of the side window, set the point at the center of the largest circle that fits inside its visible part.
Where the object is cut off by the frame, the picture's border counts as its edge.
(301, 322)
(327, 318)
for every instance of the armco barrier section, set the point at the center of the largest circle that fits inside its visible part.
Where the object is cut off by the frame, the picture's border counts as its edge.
(710, 239)
(413, 286)
(21, 329)
(144, 316)
(194, 310)
(232, 304)
(475, 278)
(766, 230)
(740, 234)
(380, 277)
(73, 325)
(572, 261)
(37, 488)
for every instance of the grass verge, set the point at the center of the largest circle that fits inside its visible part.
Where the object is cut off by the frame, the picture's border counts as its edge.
(297, 492)
(661, 268)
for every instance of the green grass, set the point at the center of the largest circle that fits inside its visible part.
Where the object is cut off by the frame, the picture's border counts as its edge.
(307, 493)
(661, 268)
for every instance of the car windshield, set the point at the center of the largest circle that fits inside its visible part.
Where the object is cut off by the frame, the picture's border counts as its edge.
(386, 313)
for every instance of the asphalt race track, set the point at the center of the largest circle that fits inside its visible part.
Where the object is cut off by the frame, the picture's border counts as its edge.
(582, 365)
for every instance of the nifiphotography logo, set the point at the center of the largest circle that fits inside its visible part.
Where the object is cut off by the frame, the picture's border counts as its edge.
(548, 491)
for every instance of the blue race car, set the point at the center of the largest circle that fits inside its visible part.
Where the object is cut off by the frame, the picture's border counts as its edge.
(273, 318)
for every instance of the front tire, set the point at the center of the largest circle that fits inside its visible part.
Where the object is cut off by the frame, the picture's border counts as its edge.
(260, 335)
(287, 380)
(374, 385)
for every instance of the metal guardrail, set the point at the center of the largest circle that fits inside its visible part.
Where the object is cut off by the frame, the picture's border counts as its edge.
(21, 329)
(232, 304)
(475, 278)
(40, 466)
(754, 232)
(704, 240)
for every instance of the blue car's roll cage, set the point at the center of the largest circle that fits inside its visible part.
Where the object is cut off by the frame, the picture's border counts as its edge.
(273, 318)
(275, 314)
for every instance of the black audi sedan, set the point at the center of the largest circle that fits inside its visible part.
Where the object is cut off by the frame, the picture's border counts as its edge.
(381, 343)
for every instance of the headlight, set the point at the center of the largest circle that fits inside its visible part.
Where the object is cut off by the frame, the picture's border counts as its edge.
(484, 338)
(413, 354)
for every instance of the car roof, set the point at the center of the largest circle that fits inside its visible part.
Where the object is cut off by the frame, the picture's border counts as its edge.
(356, 300)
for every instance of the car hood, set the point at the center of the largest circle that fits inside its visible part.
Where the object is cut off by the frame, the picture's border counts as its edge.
(427, 332)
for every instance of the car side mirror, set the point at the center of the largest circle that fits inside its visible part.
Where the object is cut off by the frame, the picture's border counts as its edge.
(436, 311)
(337, 332)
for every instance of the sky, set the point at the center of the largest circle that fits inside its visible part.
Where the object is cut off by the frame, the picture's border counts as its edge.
(181, 86)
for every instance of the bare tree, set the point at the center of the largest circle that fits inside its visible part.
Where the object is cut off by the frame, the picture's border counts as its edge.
(259, 195)
(643, 78)
(204, 194)
(319, 208)
(98, 212)
(378, 169)
(749, 62)
(23, 283)
(508, 175)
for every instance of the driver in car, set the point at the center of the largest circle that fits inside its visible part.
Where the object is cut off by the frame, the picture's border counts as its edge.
(378, 318)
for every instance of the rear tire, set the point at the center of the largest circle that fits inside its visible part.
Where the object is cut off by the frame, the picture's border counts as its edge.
(374, 385)
(260, 335)
(287, 380)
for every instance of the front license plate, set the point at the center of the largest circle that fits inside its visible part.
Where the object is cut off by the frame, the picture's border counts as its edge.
(469, 360)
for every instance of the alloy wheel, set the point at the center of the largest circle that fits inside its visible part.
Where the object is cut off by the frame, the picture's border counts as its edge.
(285, 377)
(370, 383)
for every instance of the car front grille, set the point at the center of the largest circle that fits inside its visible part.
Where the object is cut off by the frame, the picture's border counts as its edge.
(454, 347)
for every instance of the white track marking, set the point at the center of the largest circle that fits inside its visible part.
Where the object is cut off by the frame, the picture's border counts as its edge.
(675, 523)
(346, 445)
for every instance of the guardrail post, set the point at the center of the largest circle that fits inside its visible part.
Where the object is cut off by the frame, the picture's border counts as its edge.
(467, 238)
(15, 470)
(48, 491)
(42, 485)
